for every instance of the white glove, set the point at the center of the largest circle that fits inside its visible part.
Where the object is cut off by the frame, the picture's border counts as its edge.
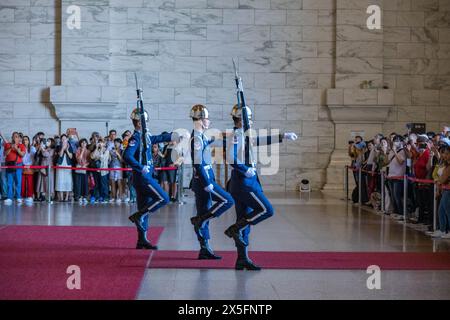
(145, 170)
(250, 172)
(290, 136)
(209, 188)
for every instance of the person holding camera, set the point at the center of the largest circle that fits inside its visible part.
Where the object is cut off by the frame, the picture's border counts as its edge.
(45, 154)
(94, 176)
(424, 191)
(356, 151)
(64, 183)
(81, 188)
(397, 168)
(116, 177)
(102, 156)
(14, 153)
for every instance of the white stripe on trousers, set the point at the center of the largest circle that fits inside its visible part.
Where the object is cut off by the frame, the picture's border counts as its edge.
(261, 204)
(161, 199)
(221, 204)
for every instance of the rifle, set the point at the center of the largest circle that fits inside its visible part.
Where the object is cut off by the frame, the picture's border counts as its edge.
(245, 121)
(140, 105)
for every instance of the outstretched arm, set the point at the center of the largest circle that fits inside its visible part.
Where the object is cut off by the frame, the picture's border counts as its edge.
(163, 137)
(277, 138)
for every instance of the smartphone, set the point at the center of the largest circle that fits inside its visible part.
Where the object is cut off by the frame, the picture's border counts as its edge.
(72, 131)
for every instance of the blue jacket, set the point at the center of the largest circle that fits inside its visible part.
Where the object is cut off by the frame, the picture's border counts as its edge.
(131, 155)
(201, 157)
(236, 159)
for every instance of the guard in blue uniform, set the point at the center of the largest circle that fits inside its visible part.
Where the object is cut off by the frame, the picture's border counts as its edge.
(204, 184)
(150, 196)
(252, 206)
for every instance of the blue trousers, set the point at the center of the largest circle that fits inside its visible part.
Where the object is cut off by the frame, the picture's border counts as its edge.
(150, 197)
(253, 206)
(396, 187)
(14, 180)
(204, 203)
(3, 183)
(444, 212)
(104, 186)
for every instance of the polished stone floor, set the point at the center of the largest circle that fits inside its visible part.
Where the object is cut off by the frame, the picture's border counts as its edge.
(316, 222)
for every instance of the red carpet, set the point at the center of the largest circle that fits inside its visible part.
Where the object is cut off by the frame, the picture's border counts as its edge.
(308, 260)
(34, 260)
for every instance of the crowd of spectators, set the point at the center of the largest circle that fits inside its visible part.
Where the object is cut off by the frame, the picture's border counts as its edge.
(68, 150)
(423, 158)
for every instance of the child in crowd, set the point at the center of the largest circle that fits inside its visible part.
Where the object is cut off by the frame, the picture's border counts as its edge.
(116, 162)
(27, 177)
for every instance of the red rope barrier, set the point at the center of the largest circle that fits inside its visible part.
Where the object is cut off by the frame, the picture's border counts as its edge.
(395, 178)
(372, 173)
(412, 179)
(427, 181)
(84, 169)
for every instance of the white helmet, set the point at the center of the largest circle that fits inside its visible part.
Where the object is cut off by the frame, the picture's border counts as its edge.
(136, 115)
(199, 112)
(236, 112)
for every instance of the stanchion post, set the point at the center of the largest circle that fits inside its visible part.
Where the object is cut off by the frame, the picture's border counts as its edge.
(383, 209)
(359, 186)
(346, 182)
(180, 185)
(434, 206)
(405, 197)
(49, 194)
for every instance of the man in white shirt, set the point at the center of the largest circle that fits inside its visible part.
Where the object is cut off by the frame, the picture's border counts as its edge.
(397, 168)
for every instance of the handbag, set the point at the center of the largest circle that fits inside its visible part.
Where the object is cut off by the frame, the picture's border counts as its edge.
(91, 182)
(43, 172)
(10, 164)
(28, 171)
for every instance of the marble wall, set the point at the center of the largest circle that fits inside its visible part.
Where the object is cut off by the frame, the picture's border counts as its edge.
(417, 62)
(288, 51)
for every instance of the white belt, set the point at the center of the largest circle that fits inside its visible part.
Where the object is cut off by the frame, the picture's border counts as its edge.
(207, 167)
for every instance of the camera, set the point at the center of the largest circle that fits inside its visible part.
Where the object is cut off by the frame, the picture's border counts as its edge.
(44, 141)
(351, 142)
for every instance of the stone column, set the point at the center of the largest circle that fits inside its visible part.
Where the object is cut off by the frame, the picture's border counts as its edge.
(358, 104)
(361, 111)
(84, 98)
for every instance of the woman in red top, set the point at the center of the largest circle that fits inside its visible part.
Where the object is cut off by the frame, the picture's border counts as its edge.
(424, 192)
(14, 152)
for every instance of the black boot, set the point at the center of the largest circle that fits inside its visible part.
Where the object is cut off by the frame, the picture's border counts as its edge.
(198, 221)
(143, 242)
(234, 231)
(206, 252)
(136, 218)
(243, 262)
